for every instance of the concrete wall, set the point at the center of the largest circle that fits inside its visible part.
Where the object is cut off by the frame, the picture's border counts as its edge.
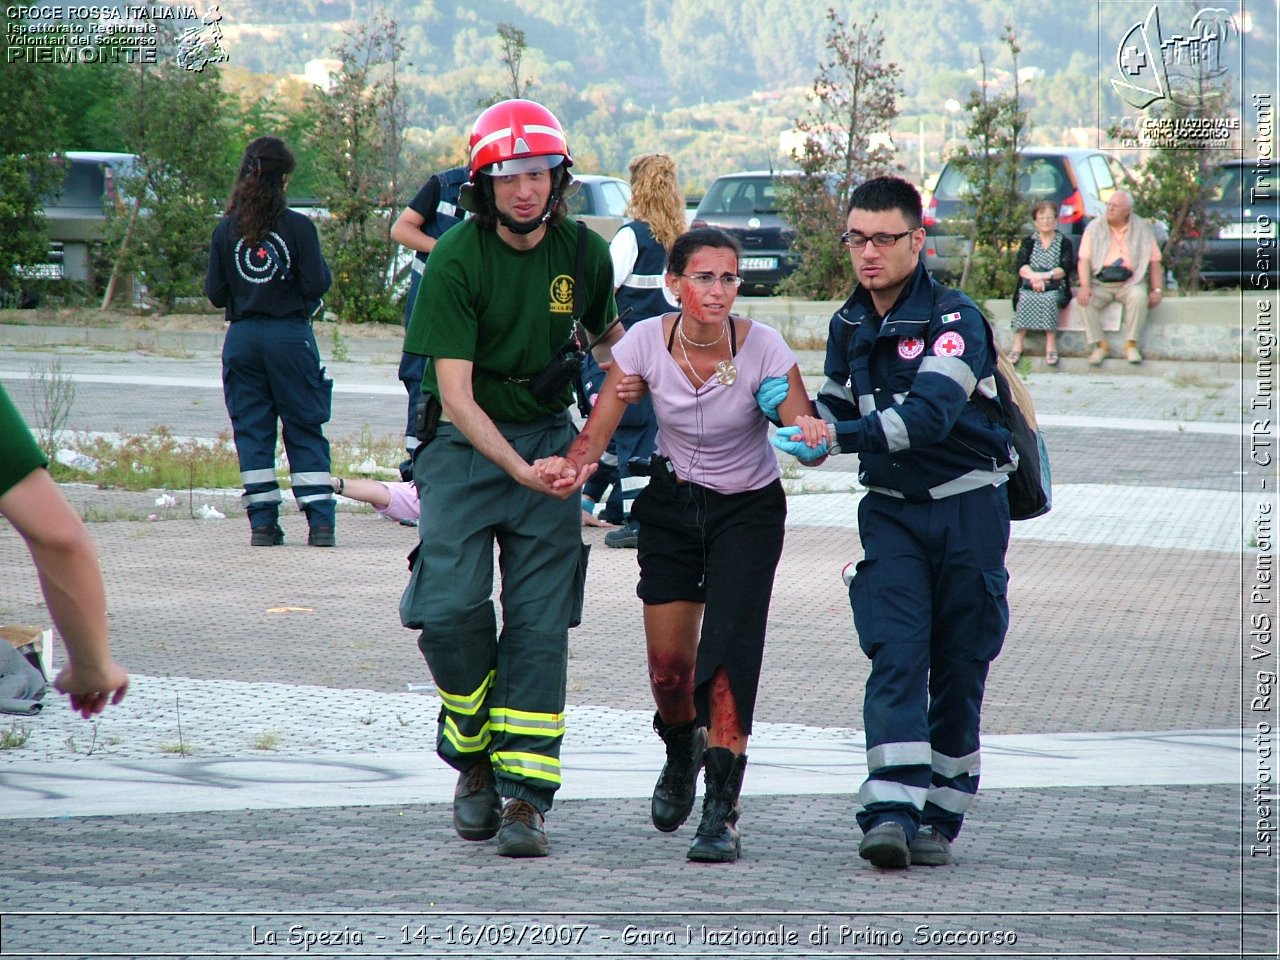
(1211, 326)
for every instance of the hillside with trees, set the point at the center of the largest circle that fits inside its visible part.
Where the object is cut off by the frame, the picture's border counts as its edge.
(721, 85)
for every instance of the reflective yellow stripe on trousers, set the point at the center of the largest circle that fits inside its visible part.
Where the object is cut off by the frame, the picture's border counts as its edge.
(526, 723)
(461, 742)
(531, 766)
(468, 704)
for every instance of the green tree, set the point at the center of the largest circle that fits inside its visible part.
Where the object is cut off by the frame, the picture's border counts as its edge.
(989, 161)
(29, 136)
(513, 45)
(854, 103)
(357, 146)
(90, 98)
(174, 120)
(1178, 182)
(279, 108)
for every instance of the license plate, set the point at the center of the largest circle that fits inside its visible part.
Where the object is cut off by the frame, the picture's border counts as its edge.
(1247, 231)
(758, 263)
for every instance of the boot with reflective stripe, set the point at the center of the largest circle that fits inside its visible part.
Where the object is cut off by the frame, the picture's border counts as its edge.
(718, 840)
(678, 783)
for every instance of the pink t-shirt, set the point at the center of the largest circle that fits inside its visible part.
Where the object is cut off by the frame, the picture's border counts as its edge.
(714, 435)
(404, 501)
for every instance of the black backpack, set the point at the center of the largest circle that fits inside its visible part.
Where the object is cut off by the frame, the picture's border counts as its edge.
(1030, 486)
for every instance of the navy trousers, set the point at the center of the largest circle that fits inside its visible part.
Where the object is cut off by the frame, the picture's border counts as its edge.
(271, 372)
(412, 368)
(636, 436)
(930, 606)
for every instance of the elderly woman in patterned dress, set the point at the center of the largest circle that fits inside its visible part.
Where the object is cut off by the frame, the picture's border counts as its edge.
(1044, 284)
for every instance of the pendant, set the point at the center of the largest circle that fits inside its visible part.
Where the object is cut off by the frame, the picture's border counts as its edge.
(726, 372)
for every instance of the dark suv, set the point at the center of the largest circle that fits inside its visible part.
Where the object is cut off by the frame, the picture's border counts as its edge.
(1078, 180)
(746, 206)
(1241, 247)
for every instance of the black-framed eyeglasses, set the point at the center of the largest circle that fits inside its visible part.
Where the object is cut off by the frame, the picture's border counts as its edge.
(726, 280)
(855, 241)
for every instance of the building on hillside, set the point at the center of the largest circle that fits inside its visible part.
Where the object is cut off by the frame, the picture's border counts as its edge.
(320, 72)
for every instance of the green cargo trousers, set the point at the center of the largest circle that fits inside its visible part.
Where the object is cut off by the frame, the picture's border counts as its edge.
(503, 692)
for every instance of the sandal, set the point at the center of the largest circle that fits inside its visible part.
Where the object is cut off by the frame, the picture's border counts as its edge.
(1015, 356)
(1051, 359)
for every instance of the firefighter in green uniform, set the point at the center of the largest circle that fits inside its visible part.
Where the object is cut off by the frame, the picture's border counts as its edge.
(501, 310)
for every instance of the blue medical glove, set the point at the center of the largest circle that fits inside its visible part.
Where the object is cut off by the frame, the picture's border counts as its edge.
(773, 390)
(786, 441)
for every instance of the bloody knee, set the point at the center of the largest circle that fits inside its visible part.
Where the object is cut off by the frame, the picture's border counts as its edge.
(672, 681)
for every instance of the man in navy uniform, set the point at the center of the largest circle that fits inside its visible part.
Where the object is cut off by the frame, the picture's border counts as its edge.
(432, 211)
(905, 357)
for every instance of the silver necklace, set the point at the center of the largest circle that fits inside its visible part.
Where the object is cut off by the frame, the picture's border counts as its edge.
(692, 370)
(726, 372)
(724, 328)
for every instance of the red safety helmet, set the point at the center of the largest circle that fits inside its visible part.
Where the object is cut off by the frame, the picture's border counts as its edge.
(517, 136)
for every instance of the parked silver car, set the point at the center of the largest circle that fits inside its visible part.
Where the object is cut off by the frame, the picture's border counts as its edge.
(601, 203)
(1078, 180)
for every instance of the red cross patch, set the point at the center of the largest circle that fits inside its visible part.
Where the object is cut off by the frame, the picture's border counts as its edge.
(950, 344)
(910, 347)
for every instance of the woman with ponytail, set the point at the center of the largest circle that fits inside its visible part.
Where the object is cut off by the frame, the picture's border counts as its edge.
(267, 271)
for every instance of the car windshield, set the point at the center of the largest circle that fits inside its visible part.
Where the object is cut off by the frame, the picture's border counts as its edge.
(1227, 187)
(741, 195)
(1039, 178)
(607, 198)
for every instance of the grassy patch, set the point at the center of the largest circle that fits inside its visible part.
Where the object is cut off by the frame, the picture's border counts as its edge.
(157, 461)
(16, 736)
(267, 740)
(74, 746)
(92, 513)
(176, 747)
(368, 453)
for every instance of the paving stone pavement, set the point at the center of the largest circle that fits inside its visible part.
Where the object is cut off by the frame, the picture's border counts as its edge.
(1070, 872)
(1123, 673)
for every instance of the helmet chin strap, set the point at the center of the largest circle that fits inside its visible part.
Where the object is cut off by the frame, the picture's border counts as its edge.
(522, 227)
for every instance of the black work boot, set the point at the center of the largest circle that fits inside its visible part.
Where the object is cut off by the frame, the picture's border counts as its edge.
(268, 536)
(477, 809)
(718, 840)
(523, 832)
(678, 783)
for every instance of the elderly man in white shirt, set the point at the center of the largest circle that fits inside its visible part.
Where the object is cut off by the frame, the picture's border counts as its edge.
(1120, 242)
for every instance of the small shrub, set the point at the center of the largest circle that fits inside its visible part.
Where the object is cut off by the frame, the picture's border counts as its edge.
(16, 736)
(267, 740)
